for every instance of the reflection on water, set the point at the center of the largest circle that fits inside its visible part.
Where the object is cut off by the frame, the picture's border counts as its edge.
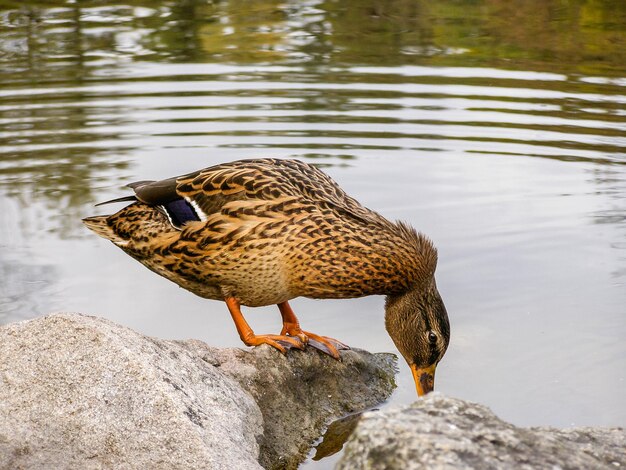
(336, 435)
(498, 128)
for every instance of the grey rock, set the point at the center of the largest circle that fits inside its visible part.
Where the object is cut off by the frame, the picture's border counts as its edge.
(81, 392)
(300, 393)
(438, 432)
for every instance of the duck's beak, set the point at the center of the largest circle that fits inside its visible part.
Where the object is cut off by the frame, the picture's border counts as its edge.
(424, 378)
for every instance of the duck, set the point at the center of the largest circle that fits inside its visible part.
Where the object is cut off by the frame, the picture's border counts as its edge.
(264, 231)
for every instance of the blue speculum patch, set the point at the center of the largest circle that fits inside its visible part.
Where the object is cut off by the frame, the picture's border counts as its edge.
(180, 212)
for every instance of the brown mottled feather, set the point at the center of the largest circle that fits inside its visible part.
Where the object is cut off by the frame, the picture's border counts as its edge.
(270, 230)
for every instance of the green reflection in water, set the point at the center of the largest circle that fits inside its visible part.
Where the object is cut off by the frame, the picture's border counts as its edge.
(583, 37)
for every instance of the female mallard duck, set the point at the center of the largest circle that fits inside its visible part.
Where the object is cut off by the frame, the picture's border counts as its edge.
(261, 232)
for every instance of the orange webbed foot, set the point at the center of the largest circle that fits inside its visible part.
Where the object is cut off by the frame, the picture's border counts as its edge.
(325, 344)
(281, 342)
(291, 327)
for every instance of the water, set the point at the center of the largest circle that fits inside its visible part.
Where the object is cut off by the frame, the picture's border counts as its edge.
(498, 128)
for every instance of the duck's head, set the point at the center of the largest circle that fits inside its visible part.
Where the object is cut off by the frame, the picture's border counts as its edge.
(418, 324)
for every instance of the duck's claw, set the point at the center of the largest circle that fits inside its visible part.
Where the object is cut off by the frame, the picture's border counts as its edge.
(338, 344)
(291, 327)
(281, 342)
(325, 344)
(325, 348)
(291, 345)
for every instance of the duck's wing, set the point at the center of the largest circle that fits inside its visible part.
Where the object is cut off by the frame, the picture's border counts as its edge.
(271, 180)
(198, 195)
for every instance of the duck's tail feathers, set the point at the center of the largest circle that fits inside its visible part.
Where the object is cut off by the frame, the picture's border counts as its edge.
(99, 225)
(119, 199)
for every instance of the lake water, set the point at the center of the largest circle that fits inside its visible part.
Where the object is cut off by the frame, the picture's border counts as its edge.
(497, 128)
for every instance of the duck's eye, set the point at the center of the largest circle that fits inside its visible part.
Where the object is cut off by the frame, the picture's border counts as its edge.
(432, 337)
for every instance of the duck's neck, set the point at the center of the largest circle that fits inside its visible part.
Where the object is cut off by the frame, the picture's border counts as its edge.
(400, 260)
(408, 259)
(382, 258)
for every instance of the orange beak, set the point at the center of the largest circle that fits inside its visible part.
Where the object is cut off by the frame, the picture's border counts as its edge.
(424, 378)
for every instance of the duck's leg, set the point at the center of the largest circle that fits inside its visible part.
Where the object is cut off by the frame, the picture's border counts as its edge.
(291, 327)
(281, 342)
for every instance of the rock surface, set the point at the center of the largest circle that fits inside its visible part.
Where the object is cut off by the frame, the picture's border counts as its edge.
(82, 392)
(299, 394)
(448, 433)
